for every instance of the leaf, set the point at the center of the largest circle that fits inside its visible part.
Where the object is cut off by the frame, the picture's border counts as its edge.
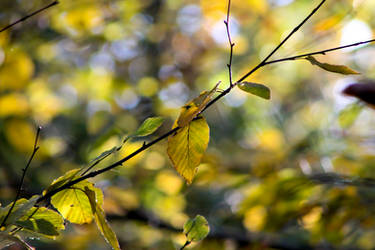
(196, 229)
(149, 126)
(7, 240)
(43, 221)
(365, 91)
(99, 216)
(341, 69)
(255, 89)
(19, 210)
(105, 154)
(186, 148)
(69, 176)
(190, 110)
(349, 115)
(73, 203)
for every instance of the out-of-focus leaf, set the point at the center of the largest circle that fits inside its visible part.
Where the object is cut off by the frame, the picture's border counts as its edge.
(43, 221)
(349, 115)
(364, 91)
(192, 108)
(196, 229)
(186, 148)
(69, 176)
(341, 69)
(105, 154)
(20, 209)
(255, 89)
(99, 216)
(8, 240)
(149, 126)
(73, 203)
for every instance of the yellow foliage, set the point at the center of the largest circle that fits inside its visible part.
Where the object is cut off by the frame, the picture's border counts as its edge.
(187, 147)
(270, 139)
(20, 134)
(255, 218)
(313, 217)
(16, 70)
(13, 104)
(168, 182)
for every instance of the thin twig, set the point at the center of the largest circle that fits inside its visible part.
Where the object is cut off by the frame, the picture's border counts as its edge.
(321, 52)
(185, 245)
(145, 146)
(231, 45)
(19, 189)
(282, 43)
(29, 15)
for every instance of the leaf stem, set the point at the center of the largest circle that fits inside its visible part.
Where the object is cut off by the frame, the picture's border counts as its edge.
(29, 15)
(19, 189)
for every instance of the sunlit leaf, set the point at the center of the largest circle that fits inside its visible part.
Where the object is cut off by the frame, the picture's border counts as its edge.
(190, 110)
(43, 221)
(105, 154)
(149, 126)
(186, 148)
(73, 203)
(349, 115)
(99, 216)
(19, 210)
(196, 229)
(341, 69)
(255, 89)
(8, 240)
(69, 176)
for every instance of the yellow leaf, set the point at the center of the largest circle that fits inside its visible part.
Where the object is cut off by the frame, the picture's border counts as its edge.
(95, 195)
(73, 203)
(192, 108)
(186, 148)
(341, 69)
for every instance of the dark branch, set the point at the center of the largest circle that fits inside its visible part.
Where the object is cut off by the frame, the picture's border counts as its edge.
(321, 52)
(19, 189)
(28, 16)
(231, 44)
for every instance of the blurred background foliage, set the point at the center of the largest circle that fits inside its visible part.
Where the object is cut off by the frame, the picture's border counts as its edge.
(282, 173)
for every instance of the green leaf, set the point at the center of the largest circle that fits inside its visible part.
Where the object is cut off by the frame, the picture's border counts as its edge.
(69, 176)
(187, 147)
(20, 209)
(73, 203)
(99, 216)
(349, 115)
(340, 69)
(196, 229)
(190, 110)
(255, 89)
(149, 126)
(8, 240)
(43, 221)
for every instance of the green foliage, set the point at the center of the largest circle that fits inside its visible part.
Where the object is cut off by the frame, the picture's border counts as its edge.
(21, 207)
(149, 126)
(196, 229)
(43, 221)
(349, 114)
(256, 89)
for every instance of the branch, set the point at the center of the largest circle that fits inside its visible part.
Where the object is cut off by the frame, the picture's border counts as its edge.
(29, 15)
(19, 189)
(147, 145)
(321, 52)
(229, 65)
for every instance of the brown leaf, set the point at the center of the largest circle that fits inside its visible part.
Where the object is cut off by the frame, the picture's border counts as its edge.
(365, 91)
